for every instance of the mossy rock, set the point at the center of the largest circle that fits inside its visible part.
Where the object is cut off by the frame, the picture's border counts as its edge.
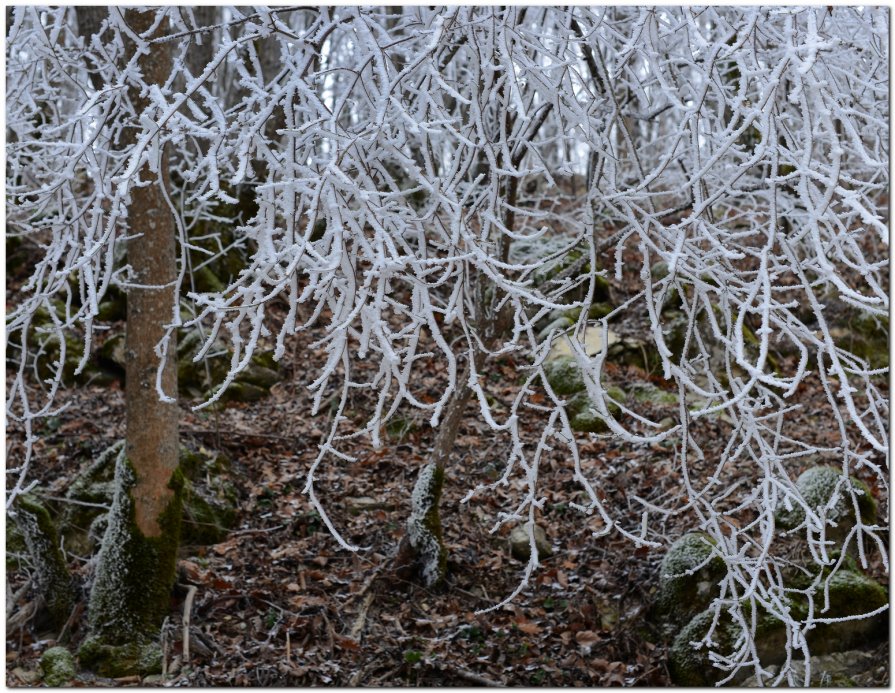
(875, 327)
(866, 336)
(564, 375)
(203, 463)
(17, 254)
(836, 670)
(584, 415)
(143, 657)
(817, 486)
(692, 666)
(648, 393)
(206, 281)
(581, 277)
(688, 578)
(266, 359)
(195, 378)
(674, 332)
(208, 516)
(851, 593)
(596, 311)
(520, 545)
(57, 666)
(50, 352)
(599, 310)
(210, 500)
(94, 486)
(259, 376)
(244, 392)
(675, 324)
(635, 352)
(44, 341)
(218, 235)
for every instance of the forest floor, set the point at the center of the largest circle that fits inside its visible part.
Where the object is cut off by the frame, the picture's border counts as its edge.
(280, 603)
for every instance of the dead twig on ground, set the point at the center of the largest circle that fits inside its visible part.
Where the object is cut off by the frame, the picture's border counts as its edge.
(187, 608)
(466, 675)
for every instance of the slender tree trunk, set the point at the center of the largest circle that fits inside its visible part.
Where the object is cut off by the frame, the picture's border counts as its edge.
(135, 571)
(152, 425)
(422, 554)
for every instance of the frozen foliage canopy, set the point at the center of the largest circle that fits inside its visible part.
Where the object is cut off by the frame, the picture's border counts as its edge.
(405, 164)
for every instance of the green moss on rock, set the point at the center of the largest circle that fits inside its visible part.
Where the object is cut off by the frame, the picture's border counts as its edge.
(691, 665)
(209, 504)
(688, 578)
(57, 666)
(143, 656)
(94, 486)
(649, 393)
(114, 307)
(851, 593)
(635, 352)
(111, 353)
(817, 486)
(244, 392)
(584, 414)
(866, 336)
(207, 519)
(564, 375)
(558, 326)
(260, 376)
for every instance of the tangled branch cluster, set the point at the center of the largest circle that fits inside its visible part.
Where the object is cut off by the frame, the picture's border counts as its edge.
(400, 162)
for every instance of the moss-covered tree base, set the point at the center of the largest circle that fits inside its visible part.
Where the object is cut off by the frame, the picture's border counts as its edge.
(143, 657)
(135, 574)
(423, 546)
(51, 576)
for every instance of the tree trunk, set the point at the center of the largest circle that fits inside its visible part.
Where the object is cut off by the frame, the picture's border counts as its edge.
(90, 20)
(422, 554)
(137, 559)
